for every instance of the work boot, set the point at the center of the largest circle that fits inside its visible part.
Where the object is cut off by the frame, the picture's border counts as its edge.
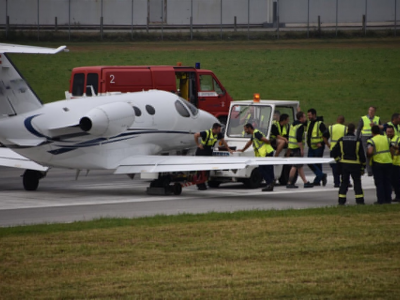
(292, 186)
(324, 179)
(342, 201)
(308, 185)
(268, 188)
(360, 201)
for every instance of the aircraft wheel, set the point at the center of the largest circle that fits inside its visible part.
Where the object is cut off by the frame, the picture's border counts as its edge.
(213, 183)
(255, 179)
(30, 180)
(177, 188)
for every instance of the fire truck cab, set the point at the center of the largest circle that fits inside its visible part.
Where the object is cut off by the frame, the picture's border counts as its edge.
(201, 87)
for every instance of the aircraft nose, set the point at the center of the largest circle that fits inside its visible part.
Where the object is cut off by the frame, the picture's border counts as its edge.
(207, 119)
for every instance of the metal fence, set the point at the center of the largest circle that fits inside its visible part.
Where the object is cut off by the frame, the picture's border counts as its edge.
(197, 15)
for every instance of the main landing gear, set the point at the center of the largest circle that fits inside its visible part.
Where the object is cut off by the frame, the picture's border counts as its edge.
(30, 179)
(173, 183)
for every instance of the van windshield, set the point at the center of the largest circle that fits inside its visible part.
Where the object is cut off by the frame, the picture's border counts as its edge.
(259, 116)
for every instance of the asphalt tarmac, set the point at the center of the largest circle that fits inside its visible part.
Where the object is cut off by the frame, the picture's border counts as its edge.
(62, 199)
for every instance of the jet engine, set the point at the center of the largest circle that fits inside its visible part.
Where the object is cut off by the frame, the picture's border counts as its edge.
(108, 120)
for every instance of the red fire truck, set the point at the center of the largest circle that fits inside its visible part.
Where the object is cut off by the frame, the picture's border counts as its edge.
(201, 87)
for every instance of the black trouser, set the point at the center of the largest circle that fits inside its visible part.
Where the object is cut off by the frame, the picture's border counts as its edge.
(267, 171)
(207, 151)
(396, 180)
(383, 179)
(353, 170)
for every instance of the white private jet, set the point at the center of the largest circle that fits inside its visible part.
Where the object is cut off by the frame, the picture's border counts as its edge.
(126, 133)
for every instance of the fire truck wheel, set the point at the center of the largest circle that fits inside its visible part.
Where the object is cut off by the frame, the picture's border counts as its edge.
(255, 179)
(177, 188)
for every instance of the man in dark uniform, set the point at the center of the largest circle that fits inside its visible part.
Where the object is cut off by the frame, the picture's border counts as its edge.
(280, 133)
(206, 145)
(350, 157)
(315, 142)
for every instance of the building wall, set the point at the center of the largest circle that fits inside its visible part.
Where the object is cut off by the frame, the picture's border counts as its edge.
(205, 12)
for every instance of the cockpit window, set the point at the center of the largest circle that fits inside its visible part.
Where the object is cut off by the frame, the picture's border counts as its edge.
(258, 116)
(182, 109)
(150, 109)
(191, 107)
(138, 112)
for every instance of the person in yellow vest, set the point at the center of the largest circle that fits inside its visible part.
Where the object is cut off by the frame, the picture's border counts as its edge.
(296, 149)
(206, 144)
(334, 133)
(262, 147)
(364, 131)
(379, 152)
(395, 142)
(350, 157)
(315, 142)
(395, 123)
(280, 133)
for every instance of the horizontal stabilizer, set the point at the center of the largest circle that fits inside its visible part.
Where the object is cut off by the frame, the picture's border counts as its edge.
(159, 164)
(12, 48)
(9, 158)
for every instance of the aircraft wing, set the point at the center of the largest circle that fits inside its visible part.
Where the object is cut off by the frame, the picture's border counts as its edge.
(159, 164)
(9, 158)
(11, 48)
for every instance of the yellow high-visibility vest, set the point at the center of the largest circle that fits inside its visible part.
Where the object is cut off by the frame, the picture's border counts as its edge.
(381, 149)
(293, 144)
(336, 132)
(316, 134)
(282, 130)
(261, 148)
(366, 130)
(395, 127)
(396, 158)
(210, 140)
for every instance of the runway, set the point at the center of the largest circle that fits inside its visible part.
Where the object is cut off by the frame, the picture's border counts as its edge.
(62, 199)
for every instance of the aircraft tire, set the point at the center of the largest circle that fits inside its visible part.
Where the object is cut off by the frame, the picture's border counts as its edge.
(255, 179)
(30, 180)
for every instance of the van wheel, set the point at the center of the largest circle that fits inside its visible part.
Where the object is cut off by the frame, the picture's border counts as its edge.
(255, 179)
(213, 183)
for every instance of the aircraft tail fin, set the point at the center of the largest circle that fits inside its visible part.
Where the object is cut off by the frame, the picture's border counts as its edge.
(16, 96)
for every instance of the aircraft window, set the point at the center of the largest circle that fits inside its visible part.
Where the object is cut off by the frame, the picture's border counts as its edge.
(77, 85)
(92, 81)
(150, 109)
(182, 109)
(191, 107)
(138, 112)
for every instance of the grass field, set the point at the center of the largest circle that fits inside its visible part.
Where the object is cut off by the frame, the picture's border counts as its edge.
(326, 253)
(330, 253)
(333, 76)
